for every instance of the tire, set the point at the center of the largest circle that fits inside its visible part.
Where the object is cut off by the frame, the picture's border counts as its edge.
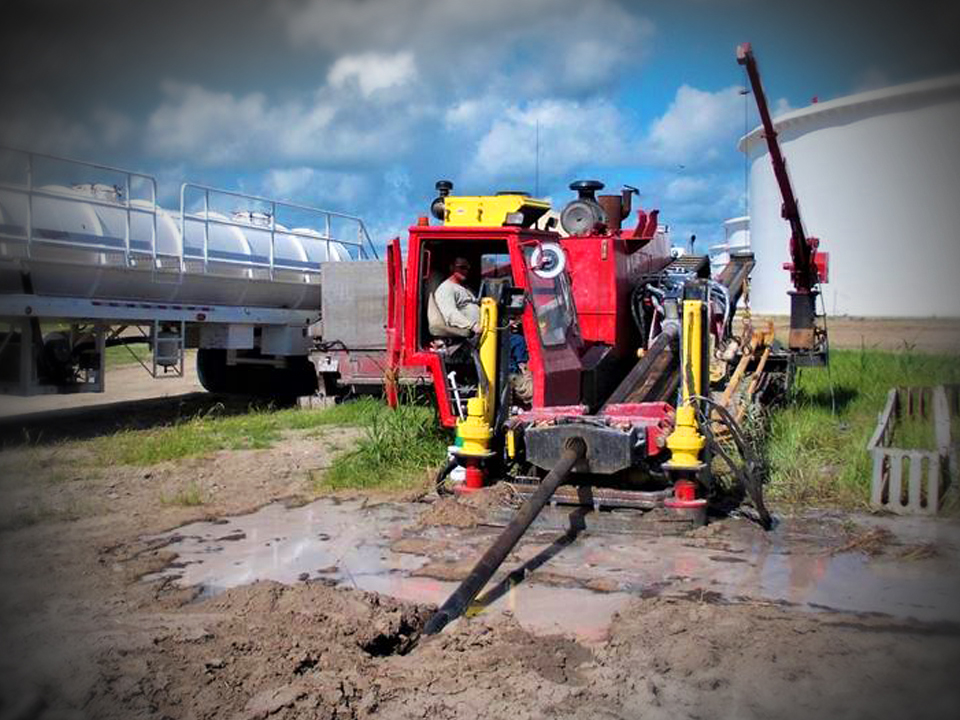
(297, 379)
(212, 370)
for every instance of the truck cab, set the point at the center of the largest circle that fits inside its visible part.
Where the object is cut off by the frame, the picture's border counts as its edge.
(502, 261)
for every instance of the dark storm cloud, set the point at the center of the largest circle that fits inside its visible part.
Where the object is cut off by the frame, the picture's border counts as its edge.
(100, 48)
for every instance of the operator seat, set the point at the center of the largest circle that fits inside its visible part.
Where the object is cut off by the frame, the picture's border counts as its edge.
(436, 325)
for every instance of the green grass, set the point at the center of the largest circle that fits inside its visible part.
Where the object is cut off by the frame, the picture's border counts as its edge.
(820, 458)
(191, 495)
(914, 432)
(396, 450)
(257, 429)
(120, 355)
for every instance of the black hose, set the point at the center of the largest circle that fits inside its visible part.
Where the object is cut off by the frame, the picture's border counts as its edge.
(482, 382)
(574, 449)
(636, 308)
(442, 475)
(748, 473)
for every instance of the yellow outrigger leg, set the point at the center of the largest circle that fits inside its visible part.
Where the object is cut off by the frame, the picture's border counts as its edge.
(476, 429)
(685, 442)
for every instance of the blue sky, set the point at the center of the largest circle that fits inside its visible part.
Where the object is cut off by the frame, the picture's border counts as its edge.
(360, 106)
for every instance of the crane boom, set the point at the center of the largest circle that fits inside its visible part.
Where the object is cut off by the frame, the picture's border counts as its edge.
(807, 266)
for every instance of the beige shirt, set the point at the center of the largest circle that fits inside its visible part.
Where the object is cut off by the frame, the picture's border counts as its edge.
(457, 306)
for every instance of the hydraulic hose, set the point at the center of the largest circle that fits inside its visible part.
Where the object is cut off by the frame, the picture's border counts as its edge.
(442, 475)
(574, 449)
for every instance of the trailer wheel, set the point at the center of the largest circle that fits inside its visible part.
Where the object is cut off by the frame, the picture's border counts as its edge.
(212, 370)
(297, 379)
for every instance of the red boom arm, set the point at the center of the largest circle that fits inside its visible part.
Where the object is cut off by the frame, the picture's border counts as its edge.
(803, 250)
(807, 267)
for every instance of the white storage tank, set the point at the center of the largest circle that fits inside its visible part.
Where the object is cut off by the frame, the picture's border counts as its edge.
(736, 238)
(877, 176)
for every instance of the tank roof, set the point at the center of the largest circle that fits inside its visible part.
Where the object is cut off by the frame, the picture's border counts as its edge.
(948, 85)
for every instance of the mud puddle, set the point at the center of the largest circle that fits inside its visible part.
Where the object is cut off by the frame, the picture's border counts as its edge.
(575, 588)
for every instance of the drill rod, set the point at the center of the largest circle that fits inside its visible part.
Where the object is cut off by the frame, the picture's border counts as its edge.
(574, 449)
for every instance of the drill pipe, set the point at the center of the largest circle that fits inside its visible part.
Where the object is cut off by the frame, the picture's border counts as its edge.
(650, 371)
(574, 449)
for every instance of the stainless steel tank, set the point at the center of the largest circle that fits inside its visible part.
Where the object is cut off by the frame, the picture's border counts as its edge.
(88, 241)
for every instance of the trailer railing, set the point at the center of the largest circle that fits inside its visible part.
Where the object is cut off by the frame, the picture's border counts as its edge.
(271, 262)
(30, 235)
(21, 233)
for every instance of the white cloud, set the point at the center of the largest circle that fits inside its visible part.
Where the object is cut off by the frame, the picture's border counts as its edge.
(571, 134)
(373, 71)
(41, 130)
(473, 113)
(698, 129)
(114, 128)
(210, 127)
(697, 204)
(307, 184)
(781, 107)
(553, 46)
(288, 182)
(331, 125)
(685, 188)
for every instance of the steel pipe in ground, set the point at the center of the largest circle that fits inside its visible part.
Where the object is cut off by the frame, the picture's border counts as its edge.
(471, 586)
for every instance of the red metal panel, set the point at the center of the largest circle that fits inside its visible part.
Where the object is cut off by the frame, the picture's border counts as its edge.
(413, 356)
(555, 370)
(395, 303)
(656, 417)
(604, 269)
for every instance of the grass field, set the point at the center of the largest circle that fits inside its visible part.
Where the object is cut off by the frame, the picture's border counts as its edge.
(120, 355)
(258, 428)
(815, 444)
(817, 455)
(396, 450)
(396, 446)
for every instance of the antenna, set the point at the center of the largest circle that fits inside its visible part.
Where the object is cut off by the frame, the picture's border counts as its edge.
(536, 182)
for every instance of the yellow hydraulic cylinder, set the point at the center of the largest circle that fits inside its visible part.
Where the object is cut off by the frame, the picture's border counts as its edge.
(685, 442)
(488, 353)
(475, 430)
(511, 444)
(691, 363)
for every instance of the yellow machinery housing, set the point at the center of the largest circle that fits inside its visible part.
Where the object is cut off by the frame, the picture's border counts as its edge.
(492, 210)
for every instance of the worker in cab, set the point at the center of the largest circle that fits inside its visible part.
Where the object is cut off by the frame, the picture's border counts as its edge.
(521, 379)
(453, 310)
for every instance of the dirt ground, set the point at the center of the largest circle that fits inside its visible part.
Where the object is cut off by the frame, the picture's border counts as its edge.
(84, 635)
(939, 335)
(123, 384)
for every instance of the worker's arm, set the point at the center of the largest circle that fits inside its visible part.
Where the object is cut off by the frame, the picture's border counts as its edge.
(450, 304)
